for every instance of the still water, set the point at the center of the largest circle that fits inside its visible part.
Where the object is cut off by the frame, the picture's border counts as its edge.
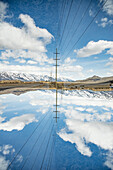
(81, 139)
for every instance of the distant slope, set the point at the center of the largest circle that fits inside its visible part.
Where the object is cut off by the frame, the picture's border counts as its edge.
(96, 79)
(27, 77)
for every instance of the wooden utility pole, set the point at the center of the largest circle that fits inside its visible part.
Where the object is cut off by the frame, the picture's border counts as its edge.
(56, 84)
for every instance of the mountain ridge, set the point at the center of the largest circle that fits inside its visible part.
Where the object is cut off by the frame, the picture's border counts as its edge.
(28, 77)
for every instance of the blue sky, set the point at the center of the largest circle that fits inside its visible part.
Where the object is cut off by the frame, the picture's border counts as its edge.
(29, 32)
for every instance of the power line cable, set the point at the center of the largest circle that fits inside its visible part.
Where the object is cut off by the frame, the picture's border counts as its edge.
(86, 29)
(77, 25)
(51, 153)
(34, 145)
(46, 148)
(60, 21)
(26, 142)
(40, 148)
(66, 22)
(73, 21)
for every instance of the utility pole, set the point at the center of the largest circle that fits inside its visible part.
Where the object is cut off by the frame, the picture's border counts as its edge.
(56, 85)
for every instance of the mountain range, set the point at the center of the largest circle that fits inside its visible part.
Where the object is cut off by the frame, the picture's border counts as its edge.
(28, 77)
(32, 77)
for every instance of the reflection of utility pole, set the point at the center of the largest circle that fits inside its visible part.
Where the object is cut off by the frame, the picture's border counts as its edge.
(56, 85)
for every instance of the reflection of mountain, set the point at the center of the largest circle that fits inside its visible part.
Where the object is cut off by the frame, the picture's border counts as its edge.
(27, 77)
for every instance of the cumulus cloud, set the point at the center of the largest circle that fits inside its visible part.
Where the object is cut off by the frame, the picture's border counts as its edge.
(28, 41)
(99, 133)
(17, 123)
(28, 37)
(87, 127)
(93, 48)
(108, 7)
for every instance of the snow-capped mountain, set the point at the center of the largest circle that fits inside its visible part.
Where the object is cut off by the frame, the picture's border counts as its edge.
(28, 77)
(90, 94)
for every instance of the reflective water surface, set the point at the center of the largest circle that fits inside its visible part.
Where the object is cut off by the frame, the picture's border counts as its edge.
(82, 138)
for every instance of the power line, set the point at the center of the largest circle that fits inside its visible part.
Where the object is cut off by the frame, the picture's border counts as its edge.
(66, 22)
(73, 21)
(85, 29)
(26, 142)
(34, 145)
(78, 25)
(46, 148)
(51, 153)
(60, 20)
(40, 148)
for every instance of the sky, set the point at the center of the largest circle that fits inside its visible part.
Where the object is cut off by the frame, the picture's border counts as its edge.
(82, 32)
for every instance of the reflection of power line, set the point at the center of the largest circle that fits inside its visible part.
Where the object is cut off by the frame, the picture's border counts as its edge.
(34, 145)
(41, 146)
(46, 148)
(26, 142)
(51, 152)
(56, 85)
(86, 29)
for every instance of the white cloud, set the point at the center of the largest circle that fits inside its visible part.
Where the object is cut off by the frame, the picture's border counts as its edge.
(25, 69)
(93, 48)
(6, 62)
(69, 60)
(71, 71)
(20, 55)
(27, 37)
(108, 7)
(90, 71)
(91, 13)
(17, 123)
(3, 163)
(98, 133)
(104, 19)
(18, 38)
(6, 149)
(27, 42)
(110, 62)
(31, 62)
(3, 10)
(109, 160)
(80, 108)
(104, 22)
(20, 60)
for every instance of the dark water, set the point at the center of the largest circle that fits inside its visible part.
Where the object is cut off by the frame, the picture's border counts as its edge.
(82, 138)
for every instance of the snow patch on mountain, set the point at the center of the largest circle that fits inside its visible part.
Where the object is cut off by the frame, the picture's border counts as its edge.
(28, 77)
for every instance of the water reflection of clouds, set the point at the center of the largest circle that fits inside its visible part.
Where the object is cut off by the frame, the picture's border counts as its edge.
(7, 150)
(88, 118)
(14, 122)
(87, 124)
(18, 122)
